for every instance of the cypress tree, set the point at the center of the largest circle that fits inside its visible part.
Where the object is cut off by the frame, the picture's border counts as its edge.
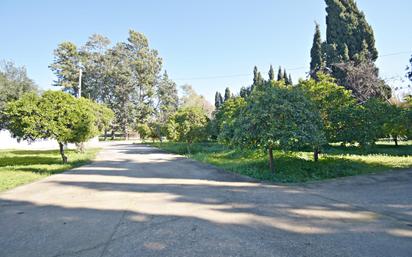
(243, 92)
(218, 100)
(346, 24)
(271, 73)
(316, 53)
(290, 80)
(285, 77)
(227, 94)
(280, 74)
(255, 76)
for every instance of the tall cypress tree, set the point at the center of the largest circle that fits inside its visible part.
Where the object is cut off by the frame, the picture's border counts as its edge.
(316, 53)
(280, 74)
(290, 80)
(255, 76)
(285, 77)
(271, 73)
(218, 100)
(227, 94)
(346, 24)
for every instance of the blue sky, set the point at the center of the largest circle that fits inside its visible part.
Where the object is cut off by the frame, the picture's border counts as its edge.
(208, 44)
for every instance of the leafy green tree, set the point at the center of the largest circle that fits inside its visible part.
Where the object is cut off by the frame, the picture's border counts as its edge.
(14, 82)
(188, 125)
(334, 104)
(279, 117)
(226, 116)
(144, 131)
(398, 123)
(271, 73)
(191, 98)
(316, 53)
(66, 67)
(228, 95)
(54, 115)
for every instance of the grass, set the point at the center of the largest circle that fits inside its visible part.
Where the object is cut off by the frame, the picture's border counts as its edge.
(294, 167)
(21, 167)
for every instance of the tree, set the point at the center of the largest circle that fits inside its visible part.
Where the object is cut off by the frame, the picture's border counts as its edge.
(167, 104)
(290, 81)
(54, 115)
(409, 70)
(316, 53)
(14, 82)
(285, 77)
(363, 80)
(279, 117)
(228, 95)
(188, 125)
(398, 123)
(66, 67)
(218, 100)
(244, 92)
(347, 27)
(334, 104)
(280, 74)
(271, 73)
(226, 116)
(144, 131)
(192, 99)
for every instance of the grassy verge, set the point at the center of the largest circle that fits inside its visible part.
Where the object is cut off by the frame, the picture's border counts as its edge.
(21, 167)
(292, 167)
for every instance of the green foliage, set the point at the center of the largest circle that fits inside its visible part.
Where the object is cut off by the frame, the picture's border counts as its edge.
(316, 53)
(187, 125)
(271, 73)
(398, 123)
(66, 66)
(228, 95)
(56, 115)
(226, 116)
(347, 28)
(295, 167)
(144, 131)
(218, 100)
(14, 82)
(334, 104)
(278, 117)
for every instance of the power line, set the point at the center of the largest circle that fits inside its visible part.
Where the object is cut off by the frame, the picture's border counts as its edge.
(249, 74)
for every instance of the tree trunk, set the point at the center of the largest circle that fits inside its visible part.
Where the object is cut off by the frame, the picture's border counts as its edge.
(64, 157)
(188, 148)
(271, 162)
(316, 154)
(395, 138)
(113, 134)
(105, 134)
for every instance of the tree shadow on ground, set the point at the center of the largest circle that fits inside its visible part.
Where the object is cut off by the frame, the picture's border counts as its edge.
(173, 206)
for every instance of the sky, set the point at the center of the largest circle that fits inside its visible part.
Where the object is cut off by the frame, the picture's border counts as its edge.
(210, 44)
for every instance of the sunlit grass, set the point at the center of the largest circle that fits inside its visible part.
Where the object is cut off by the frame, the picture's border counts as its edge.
(335, 161)
(21, 167)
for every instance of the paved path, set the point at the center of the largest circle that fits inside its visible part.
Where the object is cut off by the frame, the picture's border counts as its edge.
(137, 201)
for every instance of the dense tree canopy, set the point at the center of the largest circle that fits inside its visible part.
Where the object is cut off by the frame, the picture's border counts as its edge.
(14, 82)
(281, 117)
(56, 115)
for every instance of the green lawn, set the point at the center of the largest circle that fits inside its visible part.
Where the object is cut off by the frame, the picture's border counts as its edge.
(21, 167)
(292, 167)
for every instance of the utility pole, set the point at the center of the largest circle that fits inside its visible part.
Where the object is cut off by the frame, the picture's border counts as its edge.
(80, 83)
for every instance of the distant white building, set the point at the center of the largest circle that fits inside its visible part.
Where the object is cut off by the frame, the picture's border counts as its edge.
(8, 142)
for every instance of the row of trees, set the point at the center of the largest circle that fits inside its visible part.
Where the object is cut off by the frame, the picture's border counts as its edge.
(344, 100)
(126, 77)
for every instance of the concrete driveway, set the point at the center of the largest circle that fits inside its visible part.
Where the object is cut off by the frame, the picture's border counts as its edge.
(137, 201)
